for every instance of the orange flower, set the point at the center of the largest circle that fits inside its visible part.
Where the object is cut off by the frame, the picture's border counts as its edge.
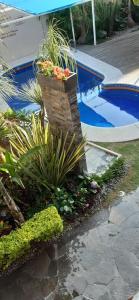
(67, 72)
(49, 69)
(60, 76)
(57, 70)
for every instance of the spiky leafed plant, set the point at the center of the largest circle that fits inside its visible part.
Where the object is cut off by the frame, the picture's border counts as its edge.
(55, 47)
(106, 13)
(4, 130)
(45, 156)
(7, 88)
(32, 92)
(12, 116)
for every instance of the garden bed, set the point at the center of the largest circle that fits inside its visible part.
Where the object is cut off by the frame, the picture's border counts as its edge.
(36, 244)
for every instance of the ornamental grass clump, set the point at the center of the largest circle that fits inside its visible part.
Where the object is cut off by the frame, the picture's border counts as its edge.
(55, 50)
(45, 156)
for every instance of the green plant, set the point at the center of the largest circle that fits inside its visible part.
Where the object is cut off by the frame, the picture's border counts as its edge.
(20, 117)
(7, 87)
(44, 154)
(111, 15)
(115, 170)
(82, 16)
(55, 47)
(32, 92)
(81, 195)
(112, 172)
(10, 166)
(4, 131)
(42, 227)
(63, 201)
(107, 13)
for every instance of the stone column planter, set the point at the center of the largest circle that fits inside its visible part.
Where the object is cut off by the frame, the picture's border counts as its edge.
(60, 100)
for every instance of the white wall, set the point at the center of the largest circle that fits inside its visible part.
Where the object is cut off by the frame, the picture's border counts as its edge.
(20, 42)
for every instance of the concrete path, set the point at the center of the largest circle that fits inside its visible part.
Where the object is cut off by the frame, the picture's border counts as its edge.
(98, 260)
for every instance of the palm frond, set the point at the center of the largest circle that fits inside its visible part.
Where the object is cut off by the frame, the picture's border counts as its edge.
(31, 91)
(4, 130)
(7, 86)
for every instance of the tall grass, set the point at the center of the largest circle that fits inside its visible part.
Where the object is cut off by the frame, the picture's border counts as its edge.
(56, 47)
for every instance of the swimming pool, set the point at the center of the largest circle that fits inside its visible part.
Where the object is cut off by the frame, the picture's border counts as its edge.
(113, 106)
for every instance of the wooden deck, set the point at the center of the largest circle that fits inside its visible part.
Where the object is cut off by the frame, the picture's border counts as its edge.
(121, 52)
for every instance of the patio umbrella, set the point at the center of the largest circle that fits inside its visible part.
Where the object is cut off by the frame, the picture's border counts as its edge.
(44, 7)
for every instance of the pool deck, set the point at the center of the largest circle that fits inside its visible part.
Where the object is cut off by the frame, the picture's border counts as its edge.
(120, 52)
(118, 61)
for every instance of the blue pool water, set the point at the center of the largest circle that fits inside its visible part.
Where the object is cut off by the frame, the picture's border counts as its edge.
(97, 106)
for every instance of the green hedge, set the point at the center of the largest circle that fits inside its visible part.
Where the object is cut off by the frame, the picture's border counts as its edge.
(42, 227)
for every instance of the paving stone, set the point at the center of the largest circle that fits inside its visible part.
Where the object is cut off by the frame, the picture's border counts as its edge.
(52, 270)
(131, 222)
(97, 292)
(62, 294)
(122, 211)
(49, 286)
(79, 284)
(38, 267)
(52, 251)
(119, 289)
(51, 296)
(108, 233)
(30, 287)
(128, 267)
(103, 273)
(128, 240)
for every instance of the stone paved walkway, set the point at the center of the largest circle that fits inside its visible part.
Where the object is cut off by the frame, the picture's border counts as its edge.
(99, 261)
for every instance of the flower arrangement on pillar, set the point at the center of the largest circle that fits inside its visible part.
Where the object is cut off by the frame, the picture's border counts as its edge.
(48, 69)
(58, 83)
(59, 87)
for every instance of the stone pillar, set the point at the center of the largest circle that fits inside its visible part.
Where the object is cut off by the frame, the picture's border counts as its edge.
(60, 100)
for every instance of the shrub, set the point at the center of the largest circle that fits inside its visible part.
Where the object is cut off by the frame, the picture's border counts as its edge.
(114, 171)
(64, 201)
(42, 227)
(110, 16)
(44, 156)
(68, 201)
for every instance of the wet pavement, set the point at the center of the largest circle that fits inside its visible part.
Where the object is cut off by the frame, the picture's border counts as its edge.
(98, 260)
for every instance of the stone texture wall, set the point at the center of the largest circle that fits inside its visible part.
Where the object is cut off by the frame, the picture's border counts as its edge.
(61, 104)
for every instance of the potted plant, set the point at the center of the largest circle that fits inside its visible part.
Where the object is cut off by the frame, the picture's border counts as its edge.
(55, 77)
